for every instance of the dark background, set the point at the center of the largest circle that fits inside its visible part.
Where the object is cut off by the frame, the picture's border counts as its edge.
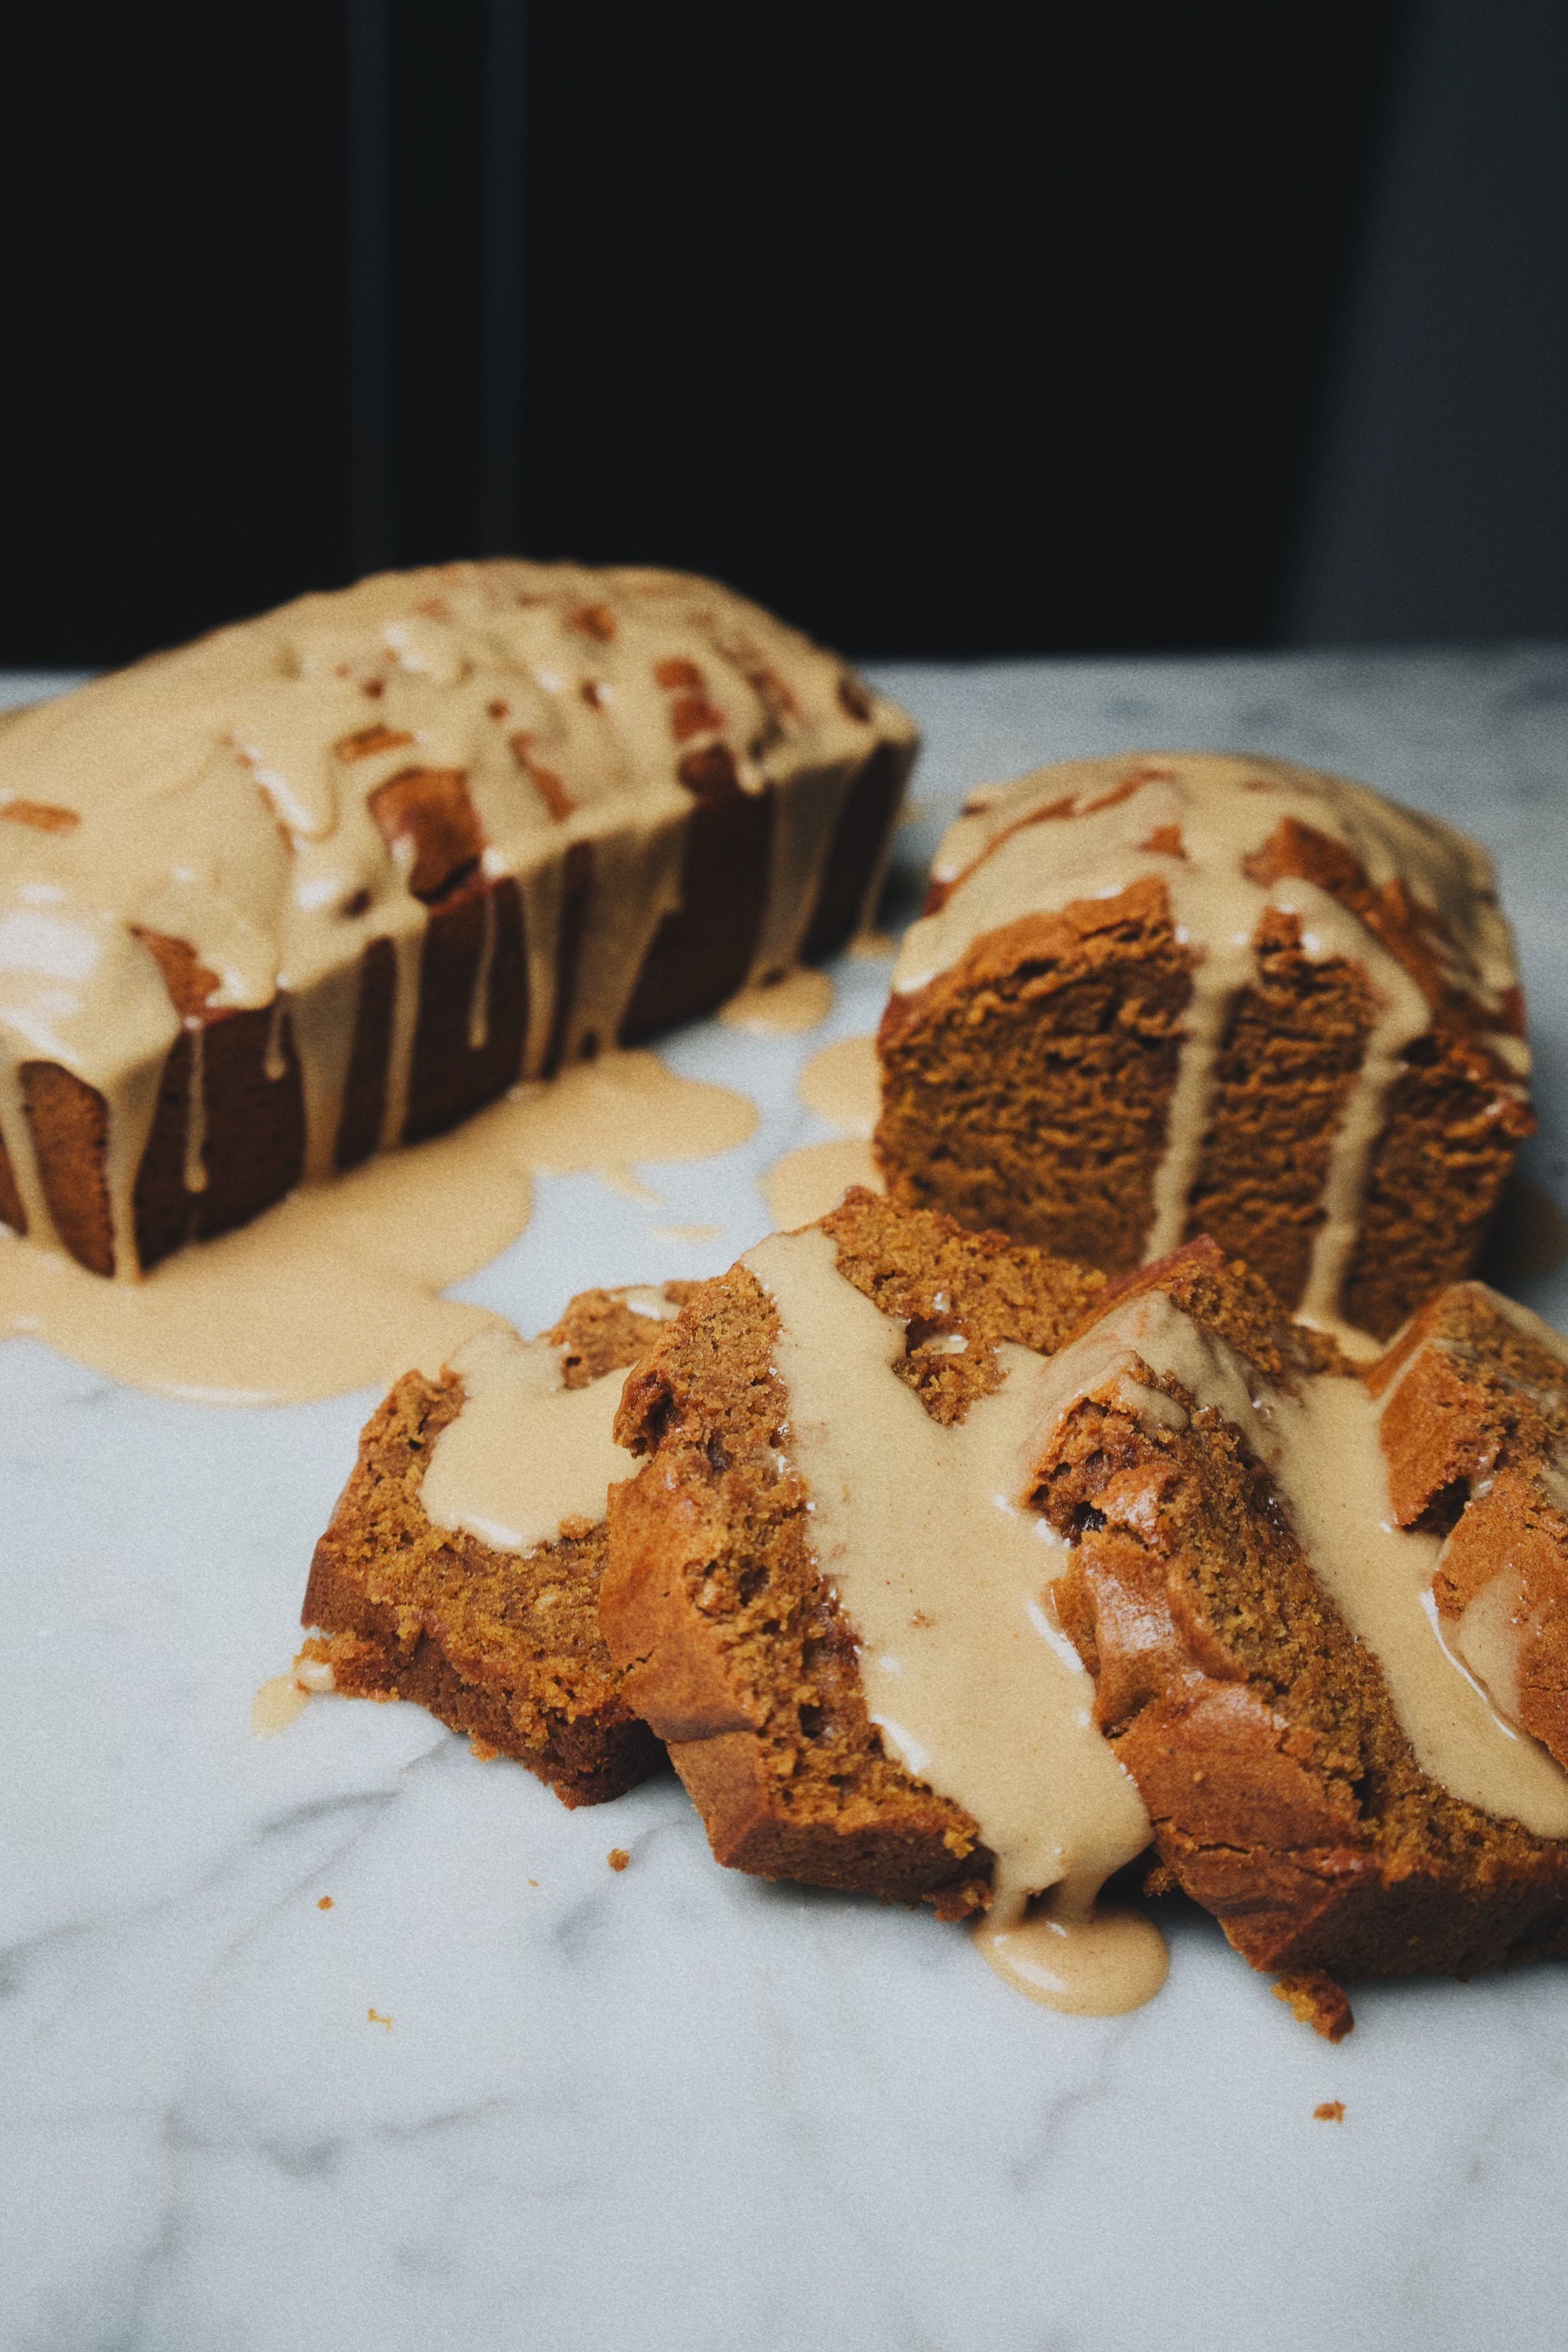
(984, 332)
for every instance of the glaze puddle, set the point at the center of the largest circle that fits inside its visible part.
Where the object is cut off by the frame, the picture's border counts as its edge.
(338, 1287)
(841, 1085)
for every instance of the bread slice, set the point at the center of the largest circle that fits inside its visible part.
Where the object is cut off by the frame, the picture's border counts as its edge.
(1174, 994)
(501, 1642)
(1319, 1771)
(734, 1639)
(1475, 1427)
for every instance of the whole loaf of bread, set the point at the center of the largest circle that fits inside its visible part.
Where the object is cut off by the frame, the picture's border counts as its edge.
(329, 880)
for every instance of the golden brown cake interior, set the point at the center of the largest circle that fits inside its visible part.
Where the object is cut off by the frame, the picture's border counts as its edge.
(1177, 994)
(1475, 1427)
(1285, 1793)
(502, 1645)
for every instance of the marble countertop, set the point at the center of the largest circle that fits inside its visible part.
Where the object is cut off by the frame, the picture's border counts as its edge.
(496, 2092)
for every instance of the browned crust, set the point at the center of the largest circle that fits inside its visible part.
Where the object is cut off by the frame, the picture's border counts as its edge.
(588, 1758)
(1284, 1795)
(426, 813)
(702, 952)
(12, 1212)
(859, 847)
(364, 1087)
(69, 1124)
(734, 1646)
(254, 1124)
(451, 1075)
(505, 1648)
(1029, 1088)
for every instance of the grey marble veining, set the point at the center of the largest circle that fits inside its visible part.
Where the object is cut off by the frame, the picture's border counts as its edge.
(673, 2107)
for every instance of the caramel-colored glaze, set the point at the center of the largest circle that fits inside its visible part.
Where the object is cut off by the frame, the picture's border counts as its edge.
(918, 1529)
(804, 1184)
(802, 1000)
(276, 1706)
(841, 1085)
(286, 806)
(1073, 1954)
(526, 1455)
(1201, 824)
(1321, 1445)
(338, 1287)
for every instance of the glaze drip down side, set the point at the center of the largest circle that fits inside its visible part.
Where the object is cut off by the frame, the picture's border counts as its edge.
(327, 881)
(1177, 993)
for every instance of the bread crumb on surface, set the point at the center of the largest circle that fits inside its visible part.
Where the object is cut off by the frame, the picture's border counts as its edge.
(374, 2017)
(325, 1903)
(1332, 2111)
(1314, 1998)
(617, 1857)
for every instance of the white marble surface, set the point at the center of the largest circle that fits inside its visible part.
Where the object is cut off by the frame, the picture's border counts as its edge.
(675, 2108)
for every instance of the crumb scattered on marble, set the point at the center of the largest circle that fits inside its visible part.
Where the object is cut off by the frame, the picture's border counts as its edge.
(1312, 1996)
(1332, 2111)
(617, 1857)
(533, 1882)
(374, 2017)
(324, 1904)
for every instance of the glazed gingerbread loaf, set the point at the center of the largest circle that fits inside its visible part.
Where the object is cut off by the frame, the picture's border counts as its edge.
(1323, 1766)
(1172, 993)
(461, 1568)
(330, 880)
(818, 1590)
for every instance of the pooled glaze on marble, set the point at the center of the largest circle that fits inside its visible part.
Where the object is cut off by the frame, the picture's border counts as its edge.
(341, 1284)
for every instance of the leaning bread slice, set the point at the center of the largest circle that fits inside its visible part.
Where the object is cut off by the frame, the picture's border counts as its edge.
(1321, 1772)
(461, 1568)
(1475, 1427)
(820, 1589)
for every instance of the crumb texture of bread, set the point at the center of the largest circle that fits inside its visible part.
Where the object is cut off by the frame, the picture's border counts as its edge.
(1285, 1793)
(505, 1646)
(488, 818)
(1475, 1428)
(734, 1645)
(1172, 995)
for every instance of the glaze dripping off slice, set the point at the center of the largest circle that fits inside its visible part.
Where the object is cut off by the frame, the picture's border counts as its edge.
(1321, 1771)
(1174, 994)
(824, 1592)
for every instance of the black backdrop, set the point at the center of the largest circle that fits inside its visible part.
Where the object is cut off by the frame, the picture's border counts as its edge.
(979, 332)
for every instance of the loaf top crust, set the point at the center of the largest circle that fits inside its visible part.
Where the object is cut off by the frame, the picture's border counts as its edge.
(1228, 834)
(278, 793)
